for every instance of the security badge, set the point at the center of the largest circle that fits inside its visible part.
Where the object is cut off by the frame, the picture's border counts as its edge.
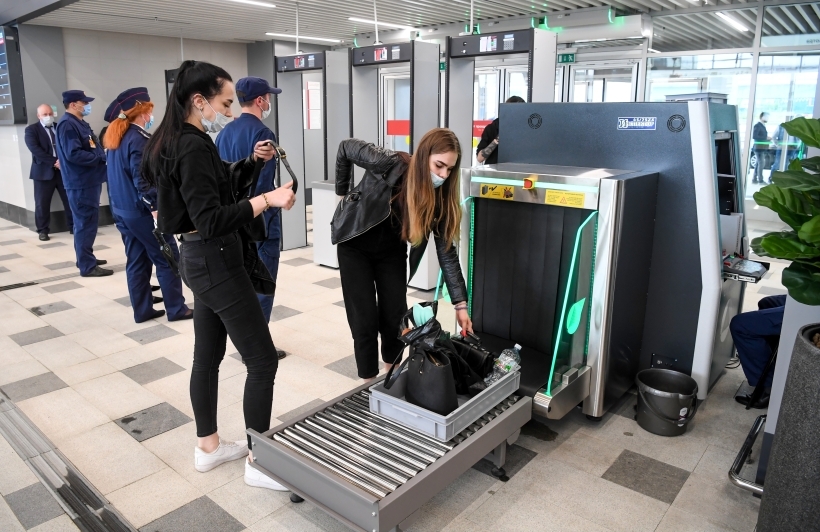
(91, 142)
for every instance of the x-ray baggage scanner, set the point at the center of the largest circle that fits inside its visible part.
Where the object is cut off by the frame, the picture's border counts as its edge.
(484, 70)
(689, 301)
(394, 101)
(310, 83)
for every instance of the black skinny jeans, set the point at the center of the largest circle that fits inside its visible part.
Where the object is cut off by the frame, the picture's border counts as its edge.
(373, 268)
(225, 304)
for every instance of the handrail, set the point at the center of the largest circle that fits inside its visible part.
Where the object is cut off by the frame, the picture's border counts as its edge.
(743, 455)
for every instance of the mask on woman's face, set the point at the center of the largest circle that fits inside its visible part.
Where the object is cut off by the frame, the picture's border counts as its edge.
(437, 181)
(149, 123)
(215, 125)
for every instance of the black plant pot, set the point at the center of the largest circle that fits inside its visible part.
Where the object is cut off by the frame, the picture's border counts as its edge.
(791, 495)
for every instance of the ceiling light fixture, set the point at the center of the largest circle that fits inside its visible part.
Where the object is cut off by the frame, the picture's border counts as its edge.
(302, 37)
(254, 3)
(732, 22)
(380, 23)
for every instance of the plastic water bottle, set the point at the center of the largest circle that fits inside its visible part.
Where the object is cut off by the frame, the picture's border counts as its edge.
(514, 353)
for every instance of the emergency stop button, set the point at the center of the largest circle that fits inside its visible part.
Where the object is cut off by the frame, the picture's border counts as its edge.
(529, 182)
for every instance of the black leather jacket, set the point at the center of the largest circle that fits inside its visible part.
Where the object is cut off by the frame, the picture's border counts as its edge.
(387, 164)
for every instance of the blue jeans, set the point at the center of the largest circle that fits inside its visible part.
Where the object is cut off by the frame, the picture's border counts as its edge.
(754, 333)
(269, 253)
(85, 210)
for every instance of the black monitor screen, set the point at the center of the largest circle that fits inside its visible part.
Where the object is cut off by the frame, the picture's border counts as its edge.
(6, 110)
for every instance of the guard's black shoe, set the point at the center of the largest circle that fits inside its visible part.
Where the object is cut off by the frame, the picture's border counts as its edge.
(99, 272)
(154, 288)
(156, 299)
(156, 314)
(760, 404)
(101, 262)
(44, 237)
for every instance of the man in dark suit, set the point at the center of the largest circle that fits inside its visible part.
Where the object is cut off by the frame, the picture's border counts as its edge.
(45, 171)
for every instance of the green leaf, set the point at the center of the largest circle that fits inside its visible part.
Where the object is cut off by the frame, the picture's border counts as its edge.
(812, 163)
(806, 129)
(797, 180)
(810, 231)
(803, 283)
(574, 316)
(794, 209)
(784, 245)
(795, 165)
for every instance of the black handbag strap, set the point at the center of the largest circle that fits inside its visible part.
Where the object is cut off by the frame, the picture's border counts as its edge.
(389, 383)
(283, 158)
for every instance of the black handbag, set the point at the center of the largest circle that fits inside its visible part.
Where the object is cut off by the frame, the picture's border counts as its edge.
(430, 382)
(372, 195)
(478, 358)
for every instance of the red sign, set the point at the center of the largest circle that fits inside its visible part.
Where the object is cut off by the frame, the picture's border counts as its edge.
(478, 127)
(398, 127)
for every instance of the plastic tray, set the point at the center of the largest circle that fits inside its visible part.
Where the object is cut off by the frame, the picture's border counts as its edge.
(391, 404)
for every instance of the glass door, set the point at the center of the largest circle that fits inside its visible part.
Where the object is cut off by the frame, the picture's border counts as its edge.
(486, 97)
(604, 82)
(517, 82)
(394, 112)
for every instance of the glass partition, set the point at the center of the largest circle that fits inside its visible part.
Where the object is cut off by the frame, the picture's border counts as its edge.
(791, 25)
(729, 74)
(704, 31)
(786, 85)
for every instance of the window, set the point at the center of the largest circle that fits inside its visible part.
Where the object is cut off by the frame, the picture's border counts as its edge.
(795, 25)
(704, 31)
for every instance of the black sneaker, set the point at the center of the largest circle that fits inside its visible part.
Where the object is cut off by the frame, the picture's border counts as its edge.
(99, 272)
(44, 237)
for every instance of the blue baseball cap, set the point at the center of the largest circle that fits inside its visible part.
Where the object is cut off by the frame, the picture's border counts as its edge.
(126, 101)
(251, 87)
(75, 96)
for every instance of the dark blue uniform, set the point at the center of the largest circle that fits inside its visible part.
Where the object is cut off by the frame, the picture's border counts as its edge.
(755, 334)
(82, 163)
(132, 201)
(236, 142)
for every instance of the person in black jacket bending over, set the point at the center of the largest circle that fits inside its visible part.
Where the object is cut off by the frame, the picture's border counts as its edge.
(198, 199)
(373, 253)
(486, 150)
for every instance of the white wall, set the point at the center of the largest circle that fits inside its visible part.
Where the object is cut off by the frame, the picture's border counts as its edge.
(13, 188)
(104, 64)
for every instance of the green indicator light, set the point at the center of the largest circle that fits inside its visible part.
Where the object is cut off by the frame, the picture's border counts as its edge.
(574, 316)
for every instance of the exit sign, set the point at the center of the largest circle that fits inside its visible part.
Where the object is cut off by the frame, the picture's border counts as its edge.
(566, 58)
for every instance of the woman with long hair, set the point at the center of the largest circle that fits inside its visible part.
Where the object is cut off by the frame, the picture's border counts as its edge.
(373, 252)
(134, 207)
(200, 199)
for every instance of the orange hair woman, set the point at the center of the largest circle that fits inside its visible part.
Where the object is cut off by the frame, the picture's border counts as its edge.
(134, 206)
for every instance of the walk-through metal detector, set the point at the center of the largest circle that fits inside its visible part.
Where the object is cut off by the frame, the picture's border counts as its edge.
(301, 118)
(394, 101)
(484, 70)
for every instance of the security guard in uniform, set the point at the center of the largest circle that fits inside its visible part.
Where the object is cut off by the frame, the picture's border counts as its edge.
(134, 206)
(235, 142)
(82, 162)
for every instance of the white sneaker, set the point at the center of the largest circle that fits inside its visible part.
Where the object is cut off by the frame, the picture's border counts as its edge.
(260, 480)
(227, 451)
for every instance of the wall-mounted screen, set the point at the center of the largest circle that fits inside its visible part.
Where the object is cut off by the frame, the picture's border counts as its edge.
(12, 100)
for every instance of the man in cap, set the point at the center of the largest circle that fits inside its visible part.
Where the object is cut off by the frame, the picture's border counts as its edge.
(45, 171)
(236, 142)
(134, 206)
(82, 162)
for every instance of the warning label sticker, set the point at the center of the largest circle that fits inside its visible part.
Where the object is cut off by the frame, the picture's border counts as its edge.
(565, 199)
(502, 192)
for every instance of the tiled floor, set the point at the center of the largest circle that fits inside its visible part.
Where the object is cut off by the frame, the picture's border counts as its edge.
(112, 396)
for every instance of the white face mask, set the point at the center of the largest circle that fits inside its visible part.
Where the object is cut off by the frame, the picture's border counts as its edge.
(47, 121)
(266, 114)
(437, 181)
(215, 125)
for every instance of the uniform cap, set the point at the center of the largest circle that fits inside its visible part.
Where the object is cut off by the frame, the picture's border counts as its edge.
(75, 96)
(125, 102)
(251, 87)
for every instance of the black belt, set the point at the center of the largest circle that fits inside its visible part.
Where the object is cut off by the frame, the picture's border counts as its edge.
(190, 237)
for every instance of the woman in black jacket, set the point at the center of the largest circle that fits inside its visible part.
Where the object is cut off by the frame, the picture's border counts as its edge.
(200, 199)
(373, 252)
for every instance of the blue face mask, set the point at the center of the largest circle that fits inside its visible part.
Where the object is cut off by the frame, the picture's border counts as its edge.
(87, 109)
(437, 181)
(149, 123)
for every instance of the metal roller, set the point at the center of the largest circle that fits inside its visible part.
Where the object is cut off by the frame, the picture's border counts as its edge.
(367, 486)
(372, 463)
(386, 429)
(396, 464)
(337, 428)
(365, 411)
(340, 461)
(372, 435)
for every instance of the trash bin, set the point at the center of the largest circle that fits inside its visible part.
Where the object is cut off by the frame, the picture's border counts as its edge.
(667, 401)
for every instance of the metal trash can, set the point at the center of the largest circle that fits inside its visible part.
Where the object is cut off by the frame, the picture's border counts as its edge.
(667, 401)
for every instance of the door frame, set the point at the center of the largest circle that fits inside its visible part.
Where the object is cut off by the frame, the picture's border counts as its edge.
(571, 69)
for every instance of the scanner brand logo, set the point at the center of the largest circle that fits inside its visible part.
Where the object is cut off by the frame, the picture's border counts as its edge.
(641, 123)
(535, 120)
